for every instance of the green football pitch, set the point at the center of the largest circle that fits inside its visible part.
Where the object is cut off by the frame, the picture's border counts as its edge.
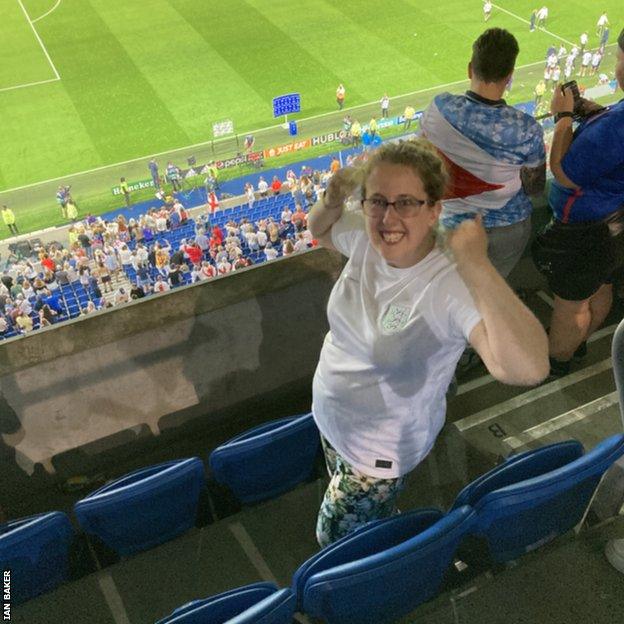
(85, 84)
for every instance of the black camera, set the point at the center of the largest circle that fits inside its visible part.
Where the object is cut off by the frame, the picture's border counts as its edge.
(580, 112)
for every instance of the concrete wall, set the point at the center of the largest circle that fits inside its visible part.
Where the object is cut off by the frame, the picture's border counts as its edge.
(161, 363)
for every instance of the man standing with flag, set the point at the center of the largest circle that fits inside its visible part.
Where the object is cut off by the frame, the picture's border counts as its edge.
(494, 153)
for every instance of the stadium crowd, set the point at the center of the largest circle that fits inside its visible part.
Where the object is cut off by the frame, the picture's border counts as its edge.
(63, 281)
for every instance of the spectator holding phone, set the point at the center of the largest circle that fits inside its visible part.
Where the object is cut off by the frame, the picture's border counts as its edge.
(583, 245)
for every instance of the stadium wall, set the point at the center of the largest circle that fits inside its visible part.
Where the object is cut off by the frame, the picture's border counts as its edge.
(179, 372)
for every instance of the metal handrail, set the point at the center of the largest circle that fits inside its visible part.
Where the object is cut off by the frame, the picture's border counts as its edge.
(617, 351)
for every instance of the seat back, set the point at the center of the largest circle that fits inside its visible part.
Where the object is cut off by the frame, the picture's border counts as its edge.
(516, 518)
(259, 603)
(36, 551)
(267, 460)
(384, 570)
(520, 467)
(144, 508)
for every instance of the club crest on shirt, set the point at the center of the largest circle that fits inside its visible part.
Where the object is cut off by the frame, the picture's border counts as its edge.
(395, 318)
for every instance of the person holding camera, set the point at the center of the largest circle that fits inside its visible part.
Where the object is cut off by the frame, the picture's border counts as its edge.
(582, 247)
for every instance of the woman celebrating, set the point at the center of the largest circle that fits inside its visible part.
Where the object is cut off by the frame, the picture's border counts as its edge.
(400, 316)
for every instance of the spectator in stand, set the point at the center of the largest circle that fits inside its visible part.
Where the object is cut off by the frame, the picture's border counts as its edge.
(104, 274)
(270, 252)
(143, 276)
(261, 236)
(47, 316)
(580, 250)
(121, 296)
(300, 243)
(399, 323)
(263, 187)
(213, 203)
(299, 217)
(250, 195)
(239, 263)
(287, 248)
(207, 270)
(160, 285)
(286, 215)
(23, 322)
(223, 266)
(8, 216)
(194, 253)
(276, 186)
(334, 165)
(497, 162)
(85, 242)
(137, 292)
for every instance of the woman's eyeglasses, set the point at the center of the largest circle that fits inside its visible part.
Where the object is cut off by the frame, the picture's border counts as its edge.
(405, 207)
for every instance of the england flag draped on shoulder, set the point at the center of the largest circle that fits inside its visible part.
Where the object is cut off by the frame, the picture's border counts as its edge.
(485, 145)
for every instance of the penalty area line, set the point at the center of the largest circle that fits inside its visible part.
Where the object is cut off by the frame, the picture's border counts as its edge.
(47, 12)
(45, 51)
(29, 84)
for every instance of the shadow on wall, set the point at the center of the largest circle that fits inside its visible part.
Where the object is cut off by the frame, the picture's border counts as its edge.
(194, 376)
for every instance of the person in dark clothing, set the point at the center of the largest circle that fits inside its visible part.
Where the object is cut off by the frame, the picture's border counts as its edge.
(174, 275)
(137, 292)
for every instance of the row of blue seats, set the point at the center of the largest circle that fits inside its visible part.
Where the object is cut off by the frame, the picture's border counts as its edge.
(516, 507)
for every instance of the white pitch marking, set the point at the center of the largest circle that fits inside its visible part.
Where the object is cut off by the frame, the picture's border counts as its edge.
(29, 84)
(527, 22)
(48, 12)
(45, 51)
(561, 421)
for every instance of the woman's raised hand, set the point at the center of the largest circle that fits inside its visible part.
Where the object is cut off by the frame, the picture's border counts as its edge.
(468, 241)
(341, 186)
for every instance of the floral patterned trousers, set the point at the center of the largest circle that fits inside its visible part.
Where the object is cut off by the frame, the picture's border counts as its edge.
(352, 498)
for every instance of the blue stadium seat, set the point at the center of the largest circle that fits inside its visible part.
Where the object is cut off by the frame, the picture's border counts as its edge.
(382, 571)
(36, 550)
(267, 460)
(260, 603)
(144, 508)
(535, 496)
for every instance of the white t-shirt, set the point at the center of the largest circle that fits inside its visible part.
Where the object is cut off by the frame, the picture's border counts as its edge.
(487, 7)
(587, 57)
(602, 20)
(395, 338)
